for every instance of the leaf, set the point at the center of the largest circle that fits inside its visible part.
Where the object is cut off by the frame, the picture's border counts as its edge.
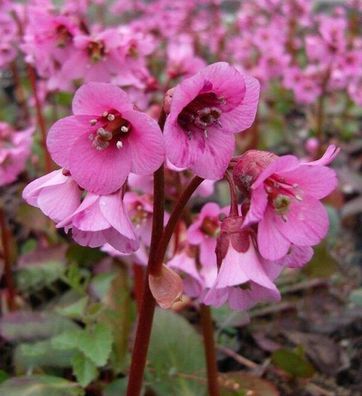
(40, 385)
(84, 255)
(119, 315)
(322, 265)
(116, 388)
(40, 268)
(176, 358)
(84, 369)
(41, 354)
(29, 326)
(101, 283)
(96, 343)
(293, 363)
(356, 296)
(75, 310)
(3, 376)
(241, 384)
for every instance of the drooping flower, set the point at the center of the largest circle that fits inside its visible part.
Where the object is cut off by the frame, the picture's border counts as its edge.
(56, 194)
(285, 199)
(244, 278)
(105, 139)
(100, 220)
(206, 111)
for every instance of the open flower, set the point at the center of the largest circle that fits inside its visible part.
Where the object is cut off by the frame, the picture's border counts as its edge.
(205, 111)
(100, 220)
(105, 139)
(56, 194)
(285, 200)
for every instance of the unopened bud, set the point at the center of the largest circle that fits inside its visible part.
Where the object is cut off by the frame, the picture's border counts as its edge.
(249, 167)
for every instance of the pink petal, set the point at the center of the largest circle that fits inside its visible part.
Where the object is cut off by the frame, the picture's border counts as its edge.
(216, 297)
(243, 116)
(296, 257)
(118, 241)
(145, 143)
(94, 98)
(316, 181)
(207, 252)
(100, 172)
(306, 222)
(88, 238)
(271, 243)
(258, 204)
(62, 136)
(31, 191)
(330, 154)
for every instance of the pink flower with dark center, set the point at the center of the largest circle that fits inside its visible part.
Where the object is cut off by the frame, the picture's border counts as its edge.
(204, 232)
(100, 220)
(105, 139)
(206, 111)
(285, 200)
(244, 278)
(56, 194)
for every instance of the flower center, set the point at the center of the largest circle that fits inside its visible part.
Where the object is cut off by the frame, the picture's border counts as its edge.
(110, 127)
(210, 226)
(63, 35)
(96, 50)
(281, 194)
(200, 114)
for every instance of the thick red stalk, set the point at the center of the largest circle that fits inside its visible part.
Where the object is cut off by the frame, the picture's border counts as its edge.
(210, 354)
(5, 239)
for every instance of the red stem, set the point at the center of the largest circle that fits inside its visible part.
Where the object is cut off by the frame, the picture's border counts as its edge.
(172, 223)
(138, 279)
(210, 354)
(5, 239)
(147, 309)
(40, 118)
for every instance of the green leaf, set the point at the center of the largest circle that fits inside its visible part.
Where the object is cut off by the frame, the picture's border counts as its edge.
(176, 358)
(241, 384)
(41, 354)
(67, 340)
(28, 326)
(293, 363)
(75, 310)
(101, 284)
(356, 297)
(40, 385)
(118, 314)
(322, 265)
(96, 343)
(116, 388)
(3, 376)
(84, 369)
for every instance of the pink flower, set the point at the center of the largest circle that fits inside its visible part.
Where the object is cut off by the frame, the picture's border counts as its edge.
(285, 201)
(204, 231)
(14, 151)
(56, 194)
(244, 278)
(100, 220)
(206, 111)
(105, 139)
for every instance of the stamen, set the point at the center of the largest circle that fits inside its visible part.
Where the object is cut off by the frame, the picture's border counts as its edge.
(111, 117)
(104, 134)
(119, 144)
(124, 129)
(205, 133)
(93, 122)
(91, 137)
(105, 113)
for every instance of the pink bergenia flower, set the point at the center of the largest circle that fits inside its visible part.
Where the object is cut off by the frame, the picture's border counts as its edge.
(105, 139)
(14, 151)
(56, 194)
(206, 111)
(244, 278)
(204, 232)
(100, 220)
(285, 196)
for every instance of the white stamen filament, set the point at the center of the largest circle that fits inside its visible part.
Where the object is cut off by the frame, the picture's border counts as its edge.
(111, 117)
(119, 144)
(124, 129)
(105, 114)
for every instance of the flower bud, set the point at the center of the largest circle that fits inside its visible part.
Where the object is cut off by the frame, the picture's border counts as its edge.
(166, 287)
(249, 167)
